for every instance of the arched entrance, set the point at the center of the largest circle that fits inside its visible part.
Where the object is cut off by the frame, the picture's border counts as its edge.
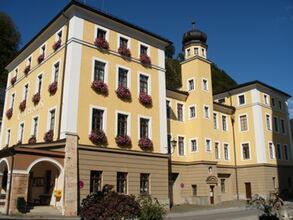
(3, 180)
(45, 177)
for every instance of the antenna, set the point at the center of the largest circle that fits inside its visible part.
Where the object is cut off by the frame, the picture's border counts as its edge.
(192, 22)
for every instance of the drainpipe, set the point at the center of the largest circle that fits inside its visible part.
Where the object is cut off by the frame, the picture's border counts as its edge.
(10, 181)
(234, 147)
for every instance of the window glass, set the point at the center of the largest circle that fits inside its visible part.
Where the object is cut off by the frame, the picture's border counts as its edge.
(144, 183)
(181, 146)
(122, 182)
(243, 123)
(95, 181)
(97, 119)
(122, 125)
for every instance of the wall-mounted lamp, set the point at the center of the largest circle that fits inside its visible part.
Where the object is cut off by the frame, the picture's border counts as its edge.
(173, 144)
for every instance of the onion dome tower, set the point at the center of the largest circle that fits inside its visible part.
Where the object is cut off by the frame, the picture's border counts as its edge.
(194, 43)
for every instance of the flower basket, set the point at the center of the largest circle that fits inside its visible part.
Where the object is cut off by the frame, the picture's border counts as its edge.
(9, 113)
(100, 87)
(123, 93)
(53, 87)
(13, 80)
(123, 141)
(22, 105)
(145, 143)
(41, 58)
(98, 137)
(36, 98)
(48, 137)
(32, 139)
(27, 69)
(102, 43)
(124, 51)
(56, 45)
(145, 59)
(145, 99)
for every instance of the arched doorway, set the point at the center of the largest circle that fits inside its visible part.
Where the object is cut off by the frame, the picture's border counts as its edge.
(3, 180)
(45, 176)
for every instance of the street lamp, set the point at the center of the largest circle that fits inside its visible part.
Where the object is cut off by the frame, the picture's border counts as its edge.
(173, 145)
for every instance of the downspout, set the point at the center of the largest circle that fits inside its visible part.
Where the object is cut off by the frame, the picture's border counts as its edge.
(234, 146)
(10, 181)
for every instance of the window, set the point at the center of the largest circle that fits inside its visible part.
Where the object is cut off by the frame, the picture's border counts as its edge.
(144, 183)
(99, 71)
(223, 188)
(123, 42)
(192, 113)
(224, 123)
(188, 52)
(215, 121)
(193, 145)
(194, 190)
(243, 123)
(21, 129)
(122, 125)
(190, 85)
(208, 145)
(56, 71)
(25, 92)
(217, 150)
(245, 151)
(272, 151)
(35, 125)
(221, 101)
(12, 100)
(29, 61)
(143, 84)
(168, 108)
(95, 181)
(143, 49)
(16, 72)
(122, 182)
(205, 84)
(273, 102)
(196, 51)
(276, 126)
(122, 77)
(52, 119)
(268, 121)
(280, 105)
(59, 35)
(283, 128)
(226, 152)
(97, 119)
(286, 152)
(202, 51)
(144, 127)
(8, 137)
(265, 99)
(241, 99)
(206, 112)
(279, 151)
(179, 112)
(43, 49)
(181, 149)
(39, 83)
(101, 33)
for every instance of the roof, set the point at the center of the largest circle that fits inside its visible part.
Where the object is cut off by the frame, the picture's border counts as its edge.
(251, 83)
(107, 15)
(181, 92)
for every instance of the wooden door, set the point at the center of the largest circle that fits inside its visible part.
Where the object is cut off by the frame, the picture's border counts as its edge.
(248, 190)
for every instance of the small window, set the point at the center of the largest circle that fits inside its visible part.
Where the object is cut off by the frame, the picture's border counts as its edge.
(179, 112)
(194, 190)
(223, 188)
(123, 42)
(195, 51)
(272, 151)
(95, 181)
(265, 99)
(16, 72)
(276, 124)
(279, 152)
(181, 149)
(97, 119)
(188, 52)
(40, 77)
(35, 126)
(206, 112)
(273, 102)
(21, 130)
(8, 137)
(217, 150)
(144, 183)
(29, 61)
(268, 122)
(56, 71)
(208, 145)
(99, 72)
(280, 105)
(193, 147)
(25, 92)
(283, 127)
(12, 100)
(144, 127)
(59, 35)
(192, 113)
(143, 84)
(143, 50)
(245, 151)
(101, 33)
(286, 154)
(190, 85)
(202, 52)
(215, 116)
(226, 152)
(224, 123)
(122, 182)
(221, 101)
(43, 50)
(122, 77)
(122, 125)
(241, 100)
(52, 119)
(168, 109)
(243, 123)
(205, 85)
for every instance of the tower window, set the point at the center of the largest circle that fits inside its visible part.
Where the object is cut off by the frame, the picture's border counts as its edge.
(188, 52)
(202, 52)
(241, 100)
(195, 51)
(205, 85)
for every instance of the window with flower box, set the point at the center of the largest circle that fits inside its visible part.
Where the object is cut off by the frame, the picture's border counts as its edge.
(122, 77)
(95, 181)
(56, 71)
(52, 119)
(35, 126)
(123, 42)
(144, 127)
(39, 83)
(99, 71)
(101, 33)
(12, 100)
(20, 134)
(143, 49)
(122, 125)
(143, 84)
(59, 35)
(144, 183)
(25, 91)
(97, 119)
(8, 133)
(121, 182)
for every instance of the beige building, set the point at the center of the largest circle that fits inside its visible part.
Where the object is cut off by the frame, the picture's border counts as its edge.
(85, 106)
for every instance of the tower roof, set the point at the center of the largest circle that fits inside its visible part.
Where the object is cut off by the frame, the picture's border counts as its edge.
(194, 36)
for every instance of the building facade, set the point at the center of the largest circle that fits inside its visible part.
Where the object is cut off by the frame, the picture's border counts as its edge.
(86, 105)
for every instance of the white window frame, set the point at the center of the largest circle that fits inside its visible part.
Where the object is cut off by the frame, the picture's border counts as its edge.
(128, 122)
(238, 99)
(211, 145)
(188, 52)
(189, 112)
(183, 111)
(8, 139)
(45, 52)
(188, 86)
(19, 131)
(23, 91)
(247, 122)
(150, 129)
(32, 125)
(53, 70)
(281, 129)
(49, 118)
(184, 143)
(207, 84)
(225, 143)
(196, 48)
(209, 112)
(217, 121)
(92, 107)
(273, 150)
(126, 37)
(128, 76)
(102, 28)
(105, 72)
(266, 99)
(37, 82)
(227, 128)
(279, 157)
(62, 35)
(219, 149)
(190, 144)
(270, 121)
(29, 63)
(12, 104)
(241, 146)
(146, 45)
(16, 71)
(149, 82)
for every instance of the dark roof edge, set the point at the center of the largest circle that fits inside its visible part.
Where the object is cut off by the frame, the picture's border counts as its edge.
(178, 91)
(226, 106)
(251, 83)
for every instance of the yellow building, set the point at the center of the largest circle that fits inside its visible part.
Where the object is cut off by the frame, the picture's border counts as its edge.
(85, 106)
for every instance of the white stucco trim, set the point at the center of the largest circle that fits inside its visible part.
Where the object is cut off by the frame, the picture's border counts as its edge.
(102, 28)
(184, 143)
(53, 70)
(128, 76)
(247, 122)
(104, 117)
(149, 82)
(249, 148)
(128, 122)
(46, 159)
(190, 144)
(211, 145)
(94, 59)
(125, 37)
(162, 111)
(6, 161)
(4, 119)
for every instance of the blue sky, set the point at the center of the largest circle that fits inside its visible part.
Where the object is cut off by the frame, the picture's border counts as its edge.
(249, 39)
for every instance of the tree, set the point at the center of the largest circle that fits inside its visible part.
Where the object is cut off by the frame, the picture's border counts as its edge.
(173, 73)
(9, 42)
(169, 51)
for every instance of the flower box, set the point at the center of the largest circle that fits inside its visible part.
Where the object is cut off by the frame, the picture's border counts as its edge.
(27, 69)
(123, 93)
(22, 105)
(56, 45)
(48, 137)
(100, 87)
(41, 58)
(145, 99)
(53, 87)
(145, 59)
(9, 113)
(145, 143)
(123, 141)
(102, 43)
(98, 137)
(36, 98)
(32, 139)
(124, 51)
(13, 80)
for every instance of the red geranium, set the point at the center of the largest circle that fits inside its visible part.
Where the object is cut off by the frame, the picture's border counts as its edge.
(41, 58)
(22, 105)
(123, 93)
(145, 59)
(53, 87)
(9, 113)
(124, 51)
(27, 69)
(98, 137)
(102, 43)
(48, 137)
(145, 143)
(13, 80)
(123, 141)
(145, 99)
(56, 45)
(36, 98)
(100, 87)
(32, 139)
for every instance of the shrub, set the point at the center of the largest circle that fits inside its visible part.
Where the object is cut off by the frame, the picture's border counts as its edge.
(27, 69)
(124, 51)
(32, 139)
(9, 113)
(145, 143)
(48, 137)
(22, 105)
(145, 59)
(123, 93)
(102, 43)
(123, 141)
(145, 99)
(36, 98)
(107, 204)
(100, 87)
(56, 45)
(151, 209)
(13, 80)
(41, 58)
(98, 137)
(53, 88)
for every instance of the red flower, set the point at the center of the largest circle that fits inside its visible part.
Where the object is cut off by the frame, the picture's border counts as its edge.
(13, 80)
(56, 45)
(9, 113)
(27, 69)
(36, 98)
(102, 43)
(98, 137)
(53, 87)
(32, 139)
(41, 58)
(100, 87)
(124, 51)
(145, 143)
(145, 99)
(123, 141)
(22, 105)
(145, 59)
(123, 93)
(48, 137)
